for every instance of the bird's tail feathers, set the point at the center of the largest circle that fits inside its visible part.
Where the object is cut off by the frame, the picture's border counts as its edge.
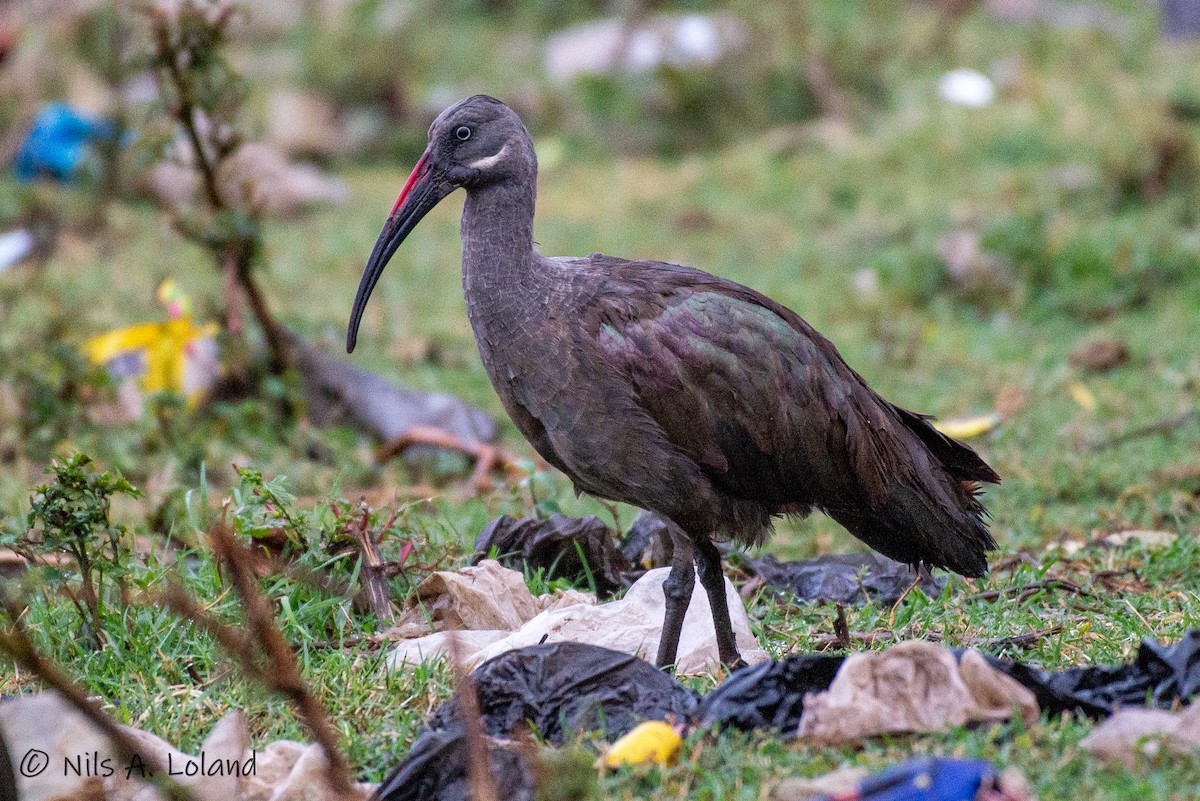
(960, 460)
(929, 511)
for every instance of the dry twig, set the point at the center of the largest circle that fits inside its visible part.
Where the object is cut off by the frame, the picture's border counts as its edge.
(262, 652)
(373, 575)
(1165, 426)
(1027, 591)
(479, 773)
(487, 457)
(841, 629)
(284, 676)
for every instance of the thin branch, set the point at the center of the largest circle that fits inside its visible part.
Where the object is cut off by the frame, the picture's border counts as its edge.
(283, 675)
(479, 772)
(276, 341)
(233, 256)
(185, 111)
(487, 457)
(371, 568)
(1165, 426)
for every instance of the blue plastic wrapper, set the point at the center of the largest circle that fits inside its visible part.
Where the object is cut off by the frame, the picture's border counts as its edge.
(926, 779)
(59, 143)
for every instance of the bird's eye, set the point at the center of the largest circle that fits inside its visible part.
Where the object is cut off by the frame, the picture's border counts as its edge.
(463, 133)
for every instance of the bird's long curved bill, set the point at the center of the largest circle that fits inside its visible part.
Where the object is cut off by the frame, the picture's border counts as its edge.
(418, 196)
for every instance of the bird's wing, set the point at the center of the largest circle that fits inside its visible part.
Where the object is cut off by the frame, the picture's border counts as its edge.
(759, 399)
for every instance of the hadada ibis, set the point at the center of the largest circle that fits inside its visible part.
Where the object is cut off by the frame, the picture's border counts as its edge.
(677, 391)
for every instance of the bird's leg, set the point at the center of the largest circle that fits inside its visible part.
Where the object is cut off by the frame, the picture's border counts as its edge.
(677, 590)
(708, 561)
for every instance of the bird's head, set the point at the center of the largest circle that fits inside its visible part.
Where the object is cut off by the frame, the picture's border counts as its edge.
(473, 144)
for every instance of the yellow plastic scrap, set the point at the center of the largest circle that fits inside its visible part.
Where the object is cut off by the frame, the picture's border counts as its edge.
(967, 427)
(158, 354)
(651, 742)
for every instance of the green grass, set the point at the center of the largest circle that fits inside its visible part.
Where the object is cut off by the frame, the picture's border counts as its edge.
(796, 214)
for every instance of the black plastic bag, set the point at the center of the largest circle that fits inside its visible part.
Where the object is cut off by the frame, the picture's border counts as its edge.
(559, 688)
(852, 578)
(647, 543)
(1159, 676)
(563, 688)
(770, 695)
(556, 545)
(436, 770)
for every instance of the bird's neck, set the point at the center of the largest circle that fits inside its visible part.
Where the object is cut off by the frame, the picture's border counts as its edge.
(497, 238)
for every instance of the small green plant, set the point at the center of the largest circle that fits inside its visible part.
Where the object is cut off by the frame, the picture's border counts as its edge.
(200, 98)
(262, 510)
(70, 516)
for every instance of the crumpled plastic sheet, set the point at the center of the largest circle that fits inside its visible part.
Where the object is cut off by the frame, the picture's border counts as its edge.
(59, 143)
(577, 549)
(632, 624)
(1133, 734)
(282, 771)
(913, 686)
(487, 596)
(1160, 675)
(852, 578)
(570, 687)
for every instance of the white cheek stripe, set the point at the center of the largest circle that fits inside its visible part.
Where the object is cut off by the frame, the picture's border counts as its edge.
(488, 161)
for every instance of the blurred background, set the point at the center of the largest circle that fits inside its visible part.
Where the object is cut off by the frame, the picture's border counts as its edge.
(990, 206)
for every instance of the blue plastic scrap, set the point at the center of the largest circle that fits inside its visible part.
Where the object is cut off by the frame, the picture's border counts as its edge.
(928, 779)
(59, 143)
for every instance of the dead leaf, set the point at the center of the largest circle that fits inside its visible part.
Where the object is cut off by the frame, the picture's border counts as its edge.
(967, 427)
(1082, 396)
